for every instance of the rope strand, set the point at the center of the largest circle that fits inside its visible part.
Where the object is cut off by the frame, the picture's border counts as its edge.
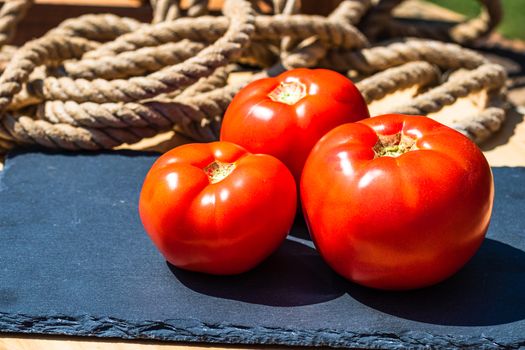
(100, 81)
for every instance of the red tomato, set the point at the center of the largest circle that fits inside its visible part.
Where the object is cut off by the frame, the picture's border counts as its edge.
(217, 208)
(285, 116)
(397, 202)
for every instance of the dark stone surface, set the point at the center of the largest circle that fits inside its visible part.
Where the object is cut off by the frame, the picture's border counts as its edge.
(75, 260)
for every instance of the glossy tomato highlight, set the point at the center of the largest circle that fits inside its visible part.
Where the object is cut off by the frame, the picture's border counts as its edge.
(285, 116)
(217, 208)
(397, 202)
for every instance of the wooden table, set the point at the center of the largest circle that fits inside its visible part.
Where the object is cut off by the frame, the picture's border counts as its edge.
(75, 343)
(506, 148)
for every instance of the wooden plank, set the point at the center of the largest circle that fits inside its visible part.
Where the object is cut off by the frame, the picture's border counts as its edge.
(43, 17)
(426, 10)
(213, 4)
(64, 343)
(107, 3)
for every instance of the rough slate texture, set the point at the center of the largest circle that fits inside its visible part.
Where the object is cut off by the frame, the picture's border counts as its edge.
(75, 260)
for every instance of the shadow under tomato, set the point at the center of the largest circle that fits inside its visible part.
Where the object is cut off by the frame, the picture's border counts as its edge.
(300, 229)
(489, 290)
(294, 275)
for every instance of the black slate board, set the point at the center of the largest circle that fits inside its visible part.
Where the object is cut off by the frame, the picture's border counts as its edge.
(75, 260)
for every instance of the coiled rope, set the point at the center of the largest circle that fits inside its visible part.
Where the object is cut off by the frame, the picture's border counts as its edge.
(99, 81)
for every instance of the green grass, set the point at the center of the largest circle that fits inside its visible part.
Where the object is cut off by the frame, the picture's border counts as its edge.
(513, 24)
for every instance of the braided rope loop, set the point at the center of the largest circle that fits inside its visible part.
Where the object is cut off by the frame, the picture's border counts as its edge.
(99, 81)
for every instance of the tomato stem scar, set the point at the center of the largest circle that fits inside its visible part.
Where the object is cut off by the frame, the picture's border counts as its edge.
(288, 93)
(218, 171)
(393, 145)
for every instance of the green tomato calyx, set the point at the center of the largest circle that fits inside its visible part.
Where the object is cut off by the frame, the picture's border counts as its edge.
(393, 145)
(289, 93)
(218, 171)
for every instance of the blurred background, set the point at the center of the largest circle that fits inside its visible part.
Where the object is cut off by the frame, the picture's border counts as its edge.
(513, 24)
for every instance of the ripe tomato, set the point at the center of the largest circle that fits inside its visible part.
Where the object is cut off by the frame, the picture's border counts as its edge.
(397, 202)
(217, 208)
(285, 116)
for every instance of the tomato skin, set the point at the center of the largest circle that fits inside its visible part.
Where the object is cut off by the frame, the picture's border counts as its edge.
(397, 223)
(227, 227)
(288, 132)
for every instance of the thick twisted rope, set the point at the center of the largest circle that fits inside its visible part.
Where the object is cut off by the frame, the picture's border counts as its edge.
(6, 53)
(286, 7)
(390, 54)
(22, 129)
(162, 81)
(376, 19)
(26, 130)
(311, 50)
(209, 29)
(380, 22)
(97, 27)
(165, 10)
(91, 126)
(197, 8)
(169, 10)
(10, 14)
(419, 73)
(487, 76)
(133, 63)
(479, 127)
(123, 115)
(47, 50)
(100, 80)
(462, 33)
(218, 79)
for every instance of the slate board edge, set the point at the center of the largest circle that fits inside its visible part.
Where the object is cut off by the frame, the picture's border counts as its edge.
(190, 330)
